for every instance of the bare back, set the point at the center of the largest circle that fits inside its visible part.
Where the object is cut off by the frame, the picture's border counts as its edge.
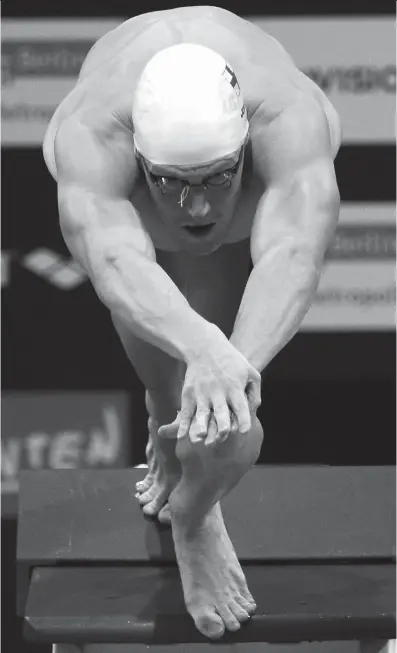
(105, 88)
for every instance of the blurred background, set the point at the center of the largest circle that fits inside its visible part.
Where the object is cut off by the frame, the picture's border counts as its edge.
(70, 397)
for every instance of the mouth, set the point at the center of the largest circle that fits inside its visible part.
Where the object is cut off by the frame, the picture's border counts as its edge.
(199, 230)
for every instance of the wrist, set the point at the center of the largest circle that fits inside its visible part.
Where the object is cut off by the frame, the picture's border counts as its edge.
(208, 339)
(249, 351)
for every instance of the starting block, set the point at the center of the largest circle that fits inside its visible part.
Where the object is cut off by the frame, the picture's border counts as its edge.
(316, 543)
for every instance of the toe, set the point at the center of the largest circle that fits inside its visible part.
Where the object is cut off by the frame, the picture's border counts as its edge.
(154, 506)
(229, 619)
(143, 486)
(209, 624)
(248, 597)
(149, 495)
(248, 606)
(164, 515)
(239, 612)
(242, 586)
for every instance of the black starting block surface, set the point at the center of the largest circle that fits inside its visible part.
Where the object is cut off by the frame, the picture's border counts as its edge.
(92, 568)
(144, 604)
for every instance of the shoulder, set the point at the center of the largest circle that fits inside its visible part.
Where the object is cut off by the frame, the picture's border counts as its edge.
(302, 117)
(291, 140)
(289, 97)
(105, 126)
(96, 151)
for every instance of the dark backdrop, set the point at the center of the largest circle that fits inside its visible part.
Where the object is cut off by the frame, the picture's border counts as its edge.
(326, 398)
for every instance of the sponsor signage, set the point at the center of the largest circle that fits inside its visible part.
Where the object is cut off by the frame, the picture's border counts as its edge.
(41, 60)
(357, 287)
(351, 58)
(61, 431)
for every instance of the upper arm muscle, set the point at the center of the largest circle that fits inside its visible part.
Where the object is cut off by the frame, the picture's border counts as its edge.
(293, 155)
(96, 175)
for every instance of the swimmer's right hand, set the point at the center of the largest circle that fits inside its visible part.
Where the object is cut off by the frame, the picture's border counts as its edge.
(220, 382)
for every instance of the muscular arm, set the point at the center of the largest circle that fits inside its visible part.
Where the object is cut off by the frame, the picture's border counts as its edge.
(293, 227)
(96, 173)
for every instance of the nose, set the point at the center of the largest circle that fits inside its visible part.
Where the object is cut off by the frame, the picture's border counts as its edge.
(199, 206)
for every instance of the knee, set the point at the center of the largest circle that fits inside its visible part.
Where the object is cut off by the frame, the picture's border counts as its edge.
(246, 447)
(256, 438)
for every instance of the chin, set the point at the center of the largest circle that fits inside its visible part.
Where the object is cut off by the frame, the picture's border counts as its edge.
(201, 248)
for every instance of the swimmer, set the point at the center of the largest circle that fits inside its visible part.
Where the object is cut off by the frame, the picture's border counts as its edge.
(190, 147)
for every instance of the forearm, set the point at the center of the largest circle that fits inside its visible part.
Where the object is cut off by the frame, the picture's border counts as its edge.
(277, 296)
(107, 238)
(139, 291)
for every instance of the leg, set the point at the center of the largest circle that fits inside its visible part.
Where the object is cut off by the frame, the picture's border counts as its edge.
(213, 285)
(215, 590)
(162, 377)
(214, 586)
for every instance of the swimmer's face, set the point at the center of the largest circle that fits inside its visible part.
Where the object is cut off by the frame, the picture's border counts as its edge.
(196, 203)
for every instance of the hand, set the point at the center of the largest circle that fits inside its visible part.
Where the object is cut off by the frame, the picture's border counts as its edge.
(213, 436)
(219, 381)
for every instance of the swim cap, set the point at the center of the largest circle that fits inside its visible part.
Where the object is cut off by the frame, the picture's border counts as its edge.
(188, 108)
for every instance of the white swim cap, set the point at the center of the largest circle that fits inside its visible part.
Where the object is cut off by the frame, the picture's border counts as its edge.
(188, 108)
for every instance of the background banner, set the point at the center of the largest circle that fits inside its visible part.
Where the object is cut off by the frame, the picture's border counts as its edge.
(357, 286)
(41, 62)
(70, 395)
(353, 60)
(61, 431)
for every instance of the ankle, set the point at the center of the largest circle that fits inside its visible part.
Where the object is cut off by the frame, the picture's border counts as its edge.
(189, 512)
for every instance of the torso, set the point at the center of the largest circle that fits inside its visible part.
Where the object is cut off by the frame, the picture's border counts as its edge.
(266, 74)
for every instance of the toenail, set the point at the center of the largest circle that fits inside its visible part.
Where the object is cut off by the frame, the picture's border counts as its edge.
(216, 630)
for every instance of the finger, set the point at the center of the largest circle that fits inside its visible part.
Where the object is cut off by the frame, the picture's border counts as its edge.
(253, 392)
(199, 426)
(186, 415)
(222, 417)
(188, 409)
(240, 407)
(211, 431)
(184, 426)
(170, 430)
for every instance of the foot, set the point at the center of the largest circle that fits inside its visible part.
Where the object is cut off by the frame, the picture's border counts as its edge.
(214, 586)
(151, 459)
(163, 476)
